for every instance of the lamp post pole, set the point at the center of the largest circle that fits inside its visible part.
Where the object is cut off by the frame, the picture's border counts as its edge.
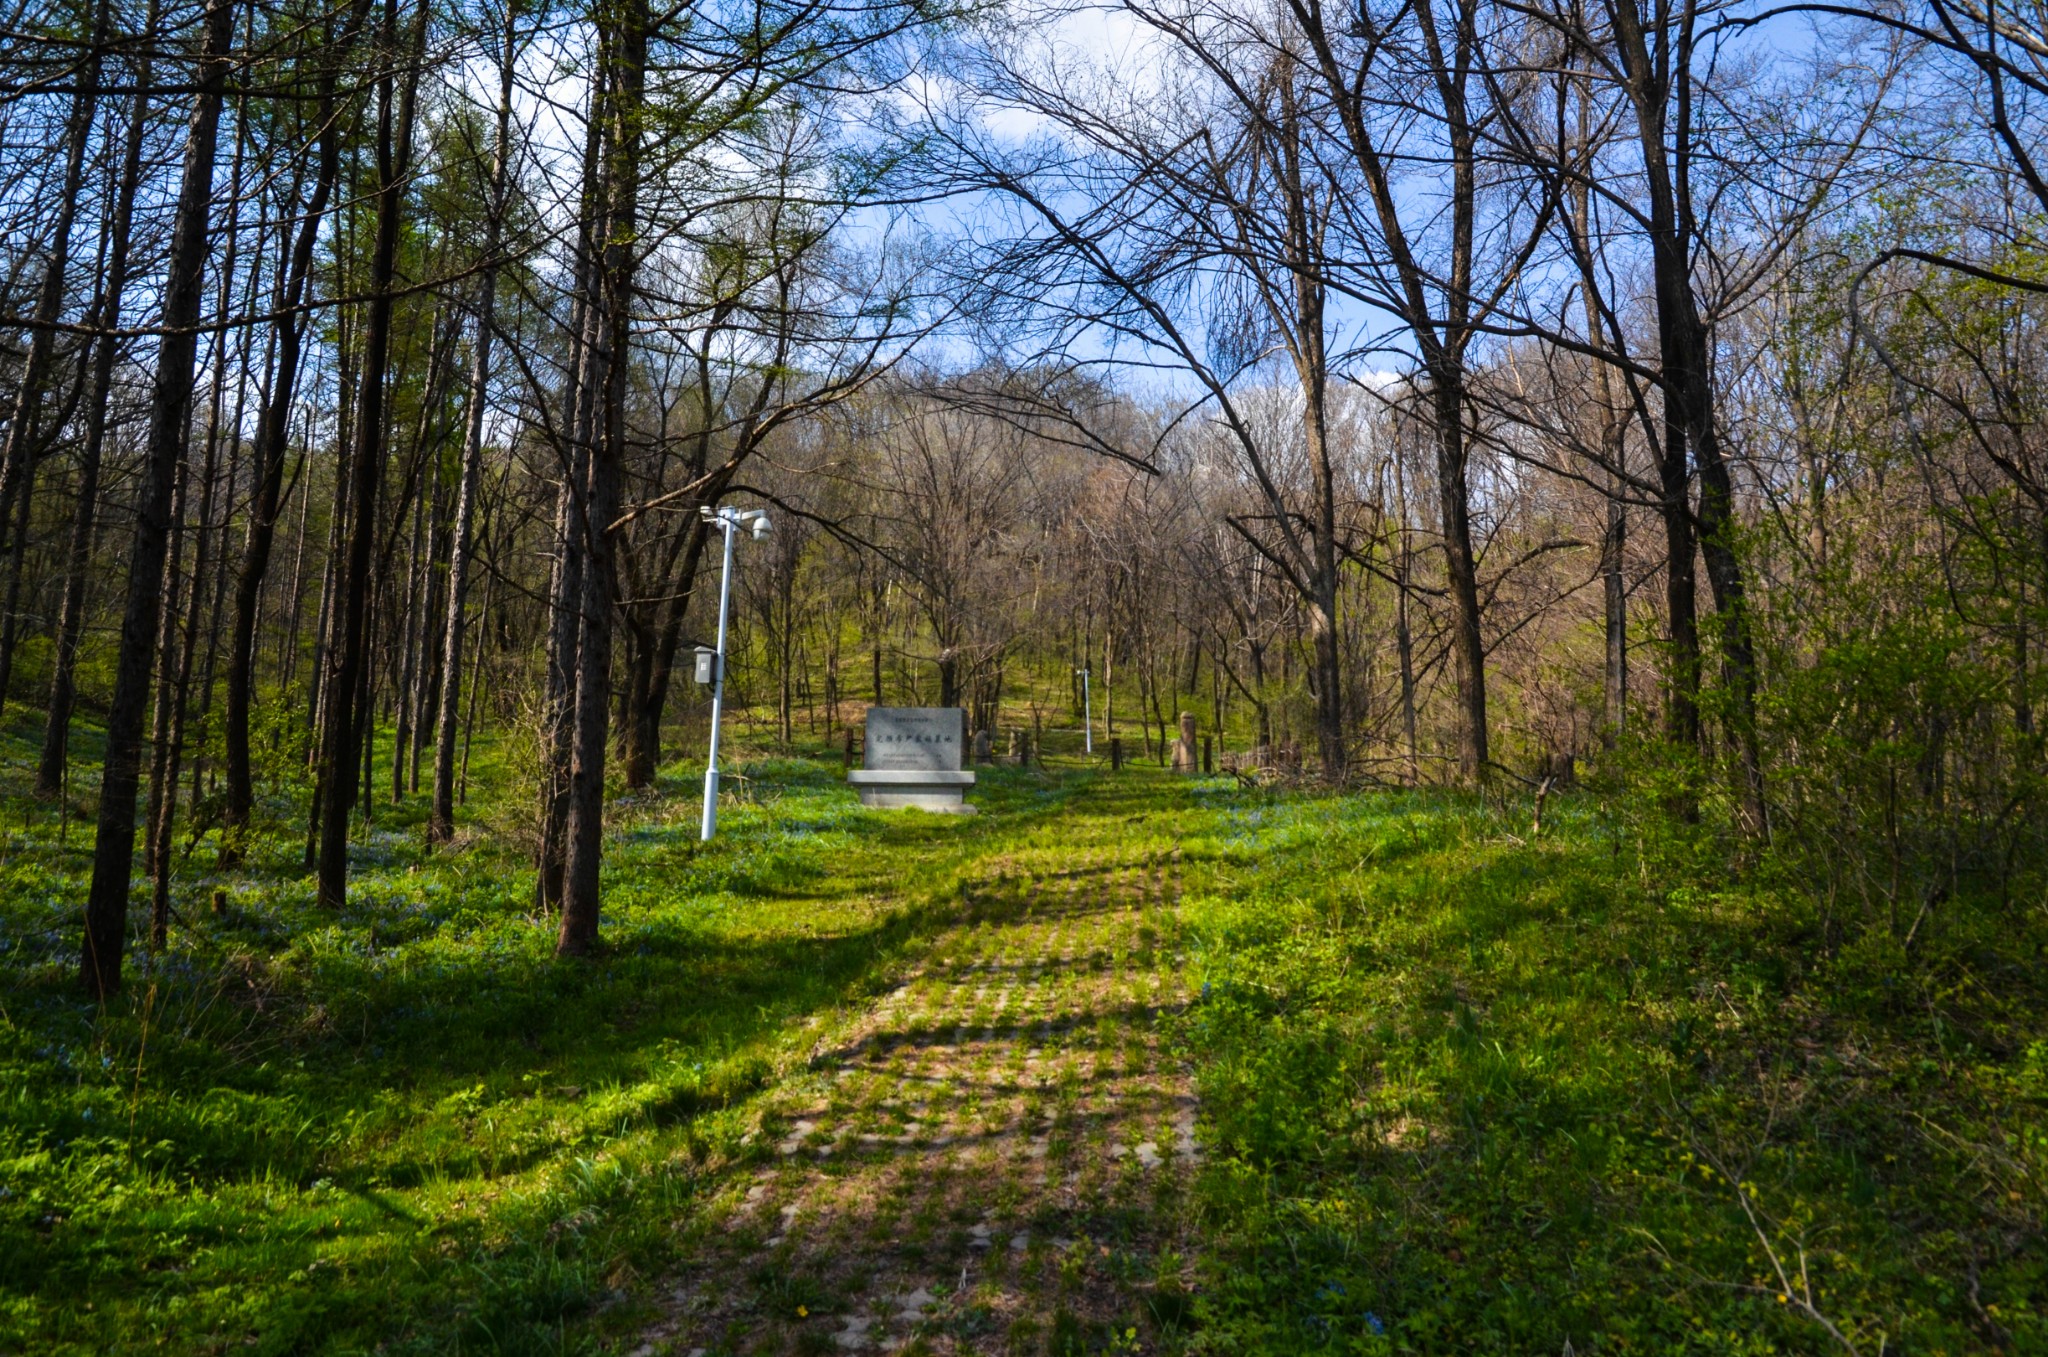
(1087, 712)
(727, 524)
(729, 521)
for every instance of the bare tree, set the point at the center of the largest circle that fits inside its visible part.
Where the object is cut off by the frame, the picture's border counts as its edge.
(106, 910)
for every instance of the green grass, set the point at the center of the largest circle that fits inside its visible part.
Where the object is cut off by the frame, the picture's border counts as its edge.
(1461, 1092)
(1474, 1094)
(406, 1124)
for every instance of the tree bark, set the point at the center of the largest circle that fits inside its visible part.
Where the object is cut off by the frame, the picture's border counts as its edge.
(1468, 648)
(584, 832)
(273, 436)
(441, 819)
(24, 431)
(55, 758)
(1614, 607)
(167, 665)
(348, 723)
(106, 910)
(1653, 83)
(585, 824)
(273, 430)
(565, 583)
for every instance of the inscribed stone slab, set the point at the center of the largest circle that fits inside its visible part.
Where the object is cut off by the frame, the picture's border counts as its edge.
(920, 738)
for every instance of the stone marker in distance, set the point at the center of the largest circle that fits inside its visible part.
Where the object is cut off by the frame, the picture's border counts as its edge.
(911, 758)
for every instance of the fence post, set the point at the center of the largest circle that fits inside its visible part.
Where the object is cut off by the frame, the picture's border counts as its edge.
(1116, 753)
(1208, 755)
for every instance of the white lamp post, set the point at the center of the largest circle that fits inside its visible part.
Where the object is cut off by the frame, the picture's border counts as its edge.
(755, 521)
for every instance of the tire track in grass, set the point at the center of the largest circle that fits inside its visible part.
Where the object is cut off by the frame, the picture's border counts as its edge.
(994, 1158)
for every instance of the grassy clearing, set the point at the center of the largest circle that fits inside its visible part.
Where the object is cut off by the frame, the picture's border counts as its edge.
(405, 1125)
(1460, 1092)
(1476, 1094)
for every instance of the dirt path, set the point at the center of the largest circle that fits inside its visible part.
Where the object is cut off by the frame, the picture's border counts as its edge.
(992, 1160)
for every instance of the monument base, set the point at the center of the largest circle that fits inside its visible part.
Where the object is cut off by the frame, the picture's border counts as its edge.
(913, 789)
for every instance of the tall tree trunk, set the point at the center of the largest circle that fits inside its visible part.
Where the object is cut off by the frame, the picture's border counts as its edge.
(106, 909)
(321, 678)
(177, 643)
(585, 825)
(565, 584)
(54, 761)
(1610, 439)
(426, 695)
(1404, 645)
(18, 459)
(1468, 647)
(167, 651)
(1654, 82)
(441, 819)
(411, 633)
(273, 430)
(1681, 590)
(348, 356)
(639, 741)
(1442, 331)
(1614, 606)
(174, 688)
(565, 631)
(347, 722)
(1310, 345)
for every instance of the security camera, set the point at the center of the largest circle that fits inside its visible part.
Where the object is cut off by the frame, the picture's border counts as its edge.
(760, 527)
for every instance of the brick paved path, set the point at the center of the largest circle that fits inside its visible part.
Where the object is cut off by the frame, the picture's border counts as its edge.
(992, 1160)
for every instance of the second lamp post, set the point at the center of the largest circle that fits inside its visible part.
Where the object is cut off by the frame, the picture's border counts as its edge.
(729, 521)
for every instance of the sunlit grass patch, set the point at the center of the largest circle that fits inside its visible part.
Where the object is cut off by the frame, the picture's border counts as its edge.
(405, 1123)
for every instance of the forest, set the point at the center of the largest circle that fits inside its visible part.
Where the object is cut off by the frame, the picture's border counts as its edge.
(1492, 555)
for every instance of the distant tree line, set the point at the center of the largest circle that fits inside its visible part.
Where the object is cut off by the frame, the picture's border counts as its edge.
(1418, 392)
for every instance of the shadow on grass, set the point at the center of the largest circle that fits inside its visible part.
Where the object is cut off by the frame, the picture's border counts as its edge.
(405, 1121)
(1477, 1094)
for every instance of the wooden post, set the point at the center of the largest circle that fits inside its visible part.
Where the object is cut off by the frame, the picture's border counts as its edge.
(847, 760)
(1116, 753)
(1208, 755)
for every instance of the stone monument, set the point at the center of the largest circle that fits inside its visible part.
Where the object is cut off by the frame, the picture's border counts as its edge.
(1184, 747)
(911, 759)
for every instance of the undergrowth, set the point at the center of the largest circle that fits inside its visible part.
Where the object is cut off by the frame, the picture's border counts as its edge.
(404, 1126)
(1463, 1088)
(1473, 1092)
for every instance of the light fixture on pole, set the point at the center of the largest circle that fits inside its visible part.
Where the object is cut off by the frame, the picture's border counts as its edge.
(1087, 711)
(728, 521)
